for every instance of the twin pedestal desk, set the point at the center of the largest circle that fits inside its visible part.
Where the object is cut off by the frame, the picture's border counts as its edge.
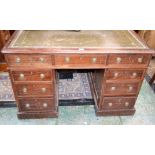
(119, 60)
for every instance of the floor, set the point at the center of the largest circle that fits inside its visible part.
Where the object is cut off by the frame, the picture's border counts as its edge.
(85, 115)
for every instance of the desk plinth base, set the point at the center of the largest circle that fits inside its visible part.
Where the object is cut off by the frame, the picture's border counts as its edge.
(26, 115)
(115, 112)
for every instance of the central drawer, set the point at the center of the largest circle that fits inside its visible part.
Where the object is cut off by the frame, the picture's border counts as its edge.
(36, 89)
(32, 104)
(112, 89)
(80, 59)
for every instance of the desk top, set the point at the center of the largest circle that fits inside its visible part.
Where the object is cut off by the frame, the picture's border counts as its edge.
(115, 39)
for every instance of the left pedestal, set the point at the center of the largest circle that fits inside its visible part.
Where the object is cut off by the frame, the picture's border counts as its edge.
(34, 86)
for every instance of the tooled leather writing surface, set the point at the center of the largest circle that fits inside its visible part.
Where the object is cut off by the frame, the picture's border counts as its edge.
(71, 39)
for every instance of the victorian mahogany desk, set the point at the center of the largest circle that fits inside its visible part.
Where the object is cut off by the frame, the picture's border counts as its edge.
(119, 58)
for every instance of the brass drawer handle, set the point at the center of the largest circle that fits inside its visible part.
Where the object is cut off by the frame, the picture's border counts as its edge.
(126, 104)
(18, 60)
(113, 88)
(118, 59)
(67, 59)
(94, 60)
(116, 75)
(134, 74)
(110, 104)
(42, 60)
(130, 88)
(27, 105)
(43, 90)
(42, 76)
(21, 76)
(24, 90)
(140, 60)
(45, 105)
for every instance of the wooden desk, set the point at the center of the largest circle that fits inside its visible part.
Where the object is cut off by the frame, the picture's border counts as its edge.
(120, 60)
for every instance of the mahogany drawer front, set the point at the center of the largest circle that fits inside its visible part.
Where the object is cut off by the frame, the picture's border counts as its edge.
(132, 59)
(121, 88)
(29, 60)
(118, 103)
(32, 75)
(80, 59)
(124, 74)
(38, 89)
(41, 104)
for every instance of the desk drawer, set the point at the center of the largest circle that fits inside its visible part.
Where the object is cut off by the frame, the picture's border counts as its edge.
(129, 59)
(121, 88)
(41, 104)
(117, 103)
(28, 60)
(124, 74)
(38, 89)
(32, 75)
(80, 59)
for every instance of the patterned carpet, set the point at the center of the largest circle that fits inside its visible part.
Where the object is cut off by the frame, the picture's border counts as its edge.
(69, 89)
(6, 92)
(76, 88)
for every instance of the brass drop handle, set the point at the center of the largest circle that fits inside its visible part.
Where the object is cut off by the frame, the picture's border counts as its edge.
(42, 60)
(118, 59)
(67, 59)
(140, 60)
(110, 104)
(130, 88)
(18, 60)
(27, 105)
(134, 74)
(113, 88)
(115, 74)
(24, 90)
(21, 76)
(43, 90)
(45, 105)
(42, 76)
(94, 60)
(126, 104)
